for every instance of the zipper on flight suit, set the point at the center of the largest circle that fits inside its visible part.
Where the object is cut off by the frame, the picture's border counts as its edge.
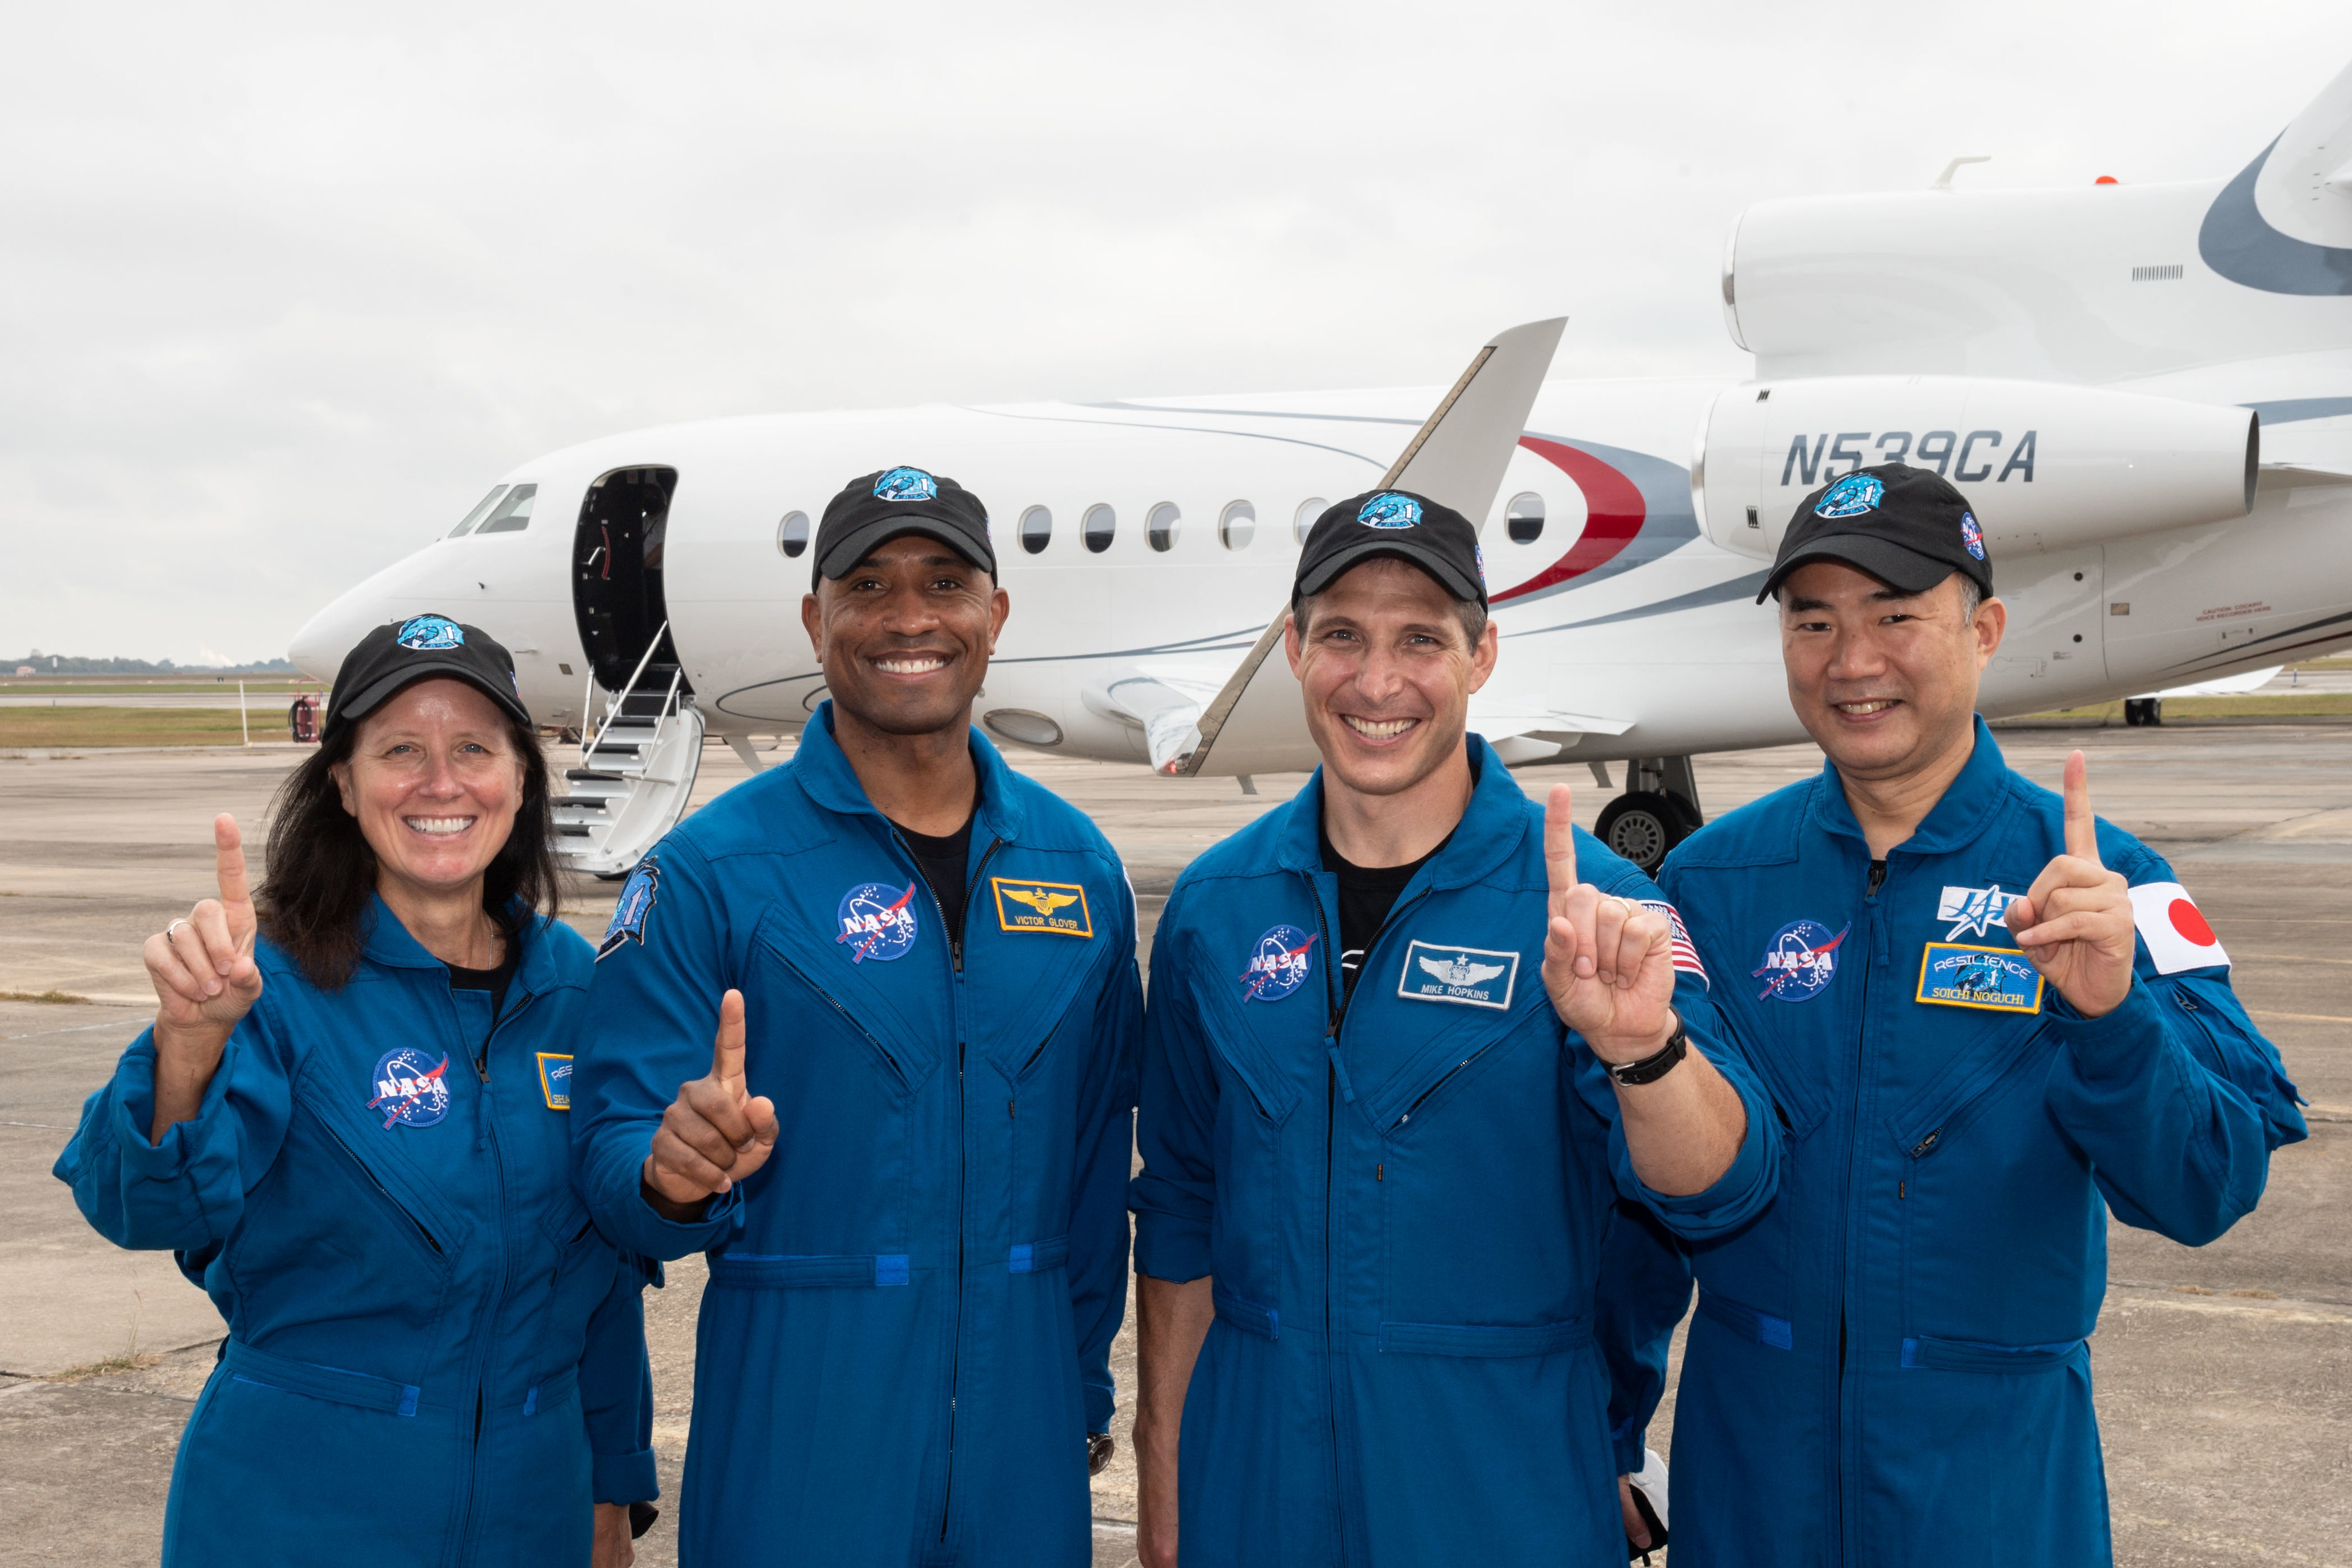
(505, 1264)
(1338, 1010)
(1877, 875)
(955, 965)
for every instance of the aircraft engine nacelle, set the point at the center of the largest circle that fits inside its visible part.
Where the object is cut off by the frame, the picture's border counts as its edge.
(2045, 465)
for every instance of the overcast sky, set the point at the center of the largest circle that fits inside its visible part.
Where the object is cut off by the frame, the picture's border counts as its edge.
(285, 287)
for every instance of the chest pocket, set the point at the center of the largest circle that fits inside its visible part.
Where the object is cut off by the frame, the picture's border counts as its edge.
(1264, 1047)
(2000, 1218)
(1447, 1062)
(823, 1017)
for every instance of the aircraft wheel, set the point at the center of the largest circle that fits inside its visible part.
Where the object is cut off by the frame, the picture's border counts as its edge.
(1642, 826)
(2142, 712)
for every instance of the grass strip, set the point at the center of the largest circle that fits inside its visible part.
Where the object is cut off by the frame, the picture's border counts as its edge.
(2264, 704)
(62, 725)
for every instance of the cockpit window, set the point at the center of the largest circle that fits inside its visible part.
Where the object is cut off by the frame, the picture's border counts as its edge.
(478, 513)
(513, 514)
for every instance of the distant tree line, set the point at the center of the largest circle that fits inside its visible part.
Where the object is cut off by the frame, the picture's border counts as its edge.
(68, 665)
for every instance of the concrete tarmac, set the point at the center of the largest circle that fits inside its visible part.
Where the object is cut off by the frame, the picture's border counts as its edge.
(2224, 1373)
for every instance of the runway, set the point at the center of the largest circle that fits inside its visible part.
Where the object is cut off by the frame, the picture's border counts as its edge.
(2224, 1373)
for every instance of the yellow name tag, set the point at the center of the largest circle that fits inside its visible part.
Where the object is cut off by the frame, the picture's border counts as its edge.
(1056, 906)
(555, 1080)
(1962, 975)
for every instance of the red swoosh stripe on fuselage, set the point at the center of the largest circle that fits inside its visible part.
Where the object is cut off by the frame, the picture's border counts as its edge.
(1613, 513)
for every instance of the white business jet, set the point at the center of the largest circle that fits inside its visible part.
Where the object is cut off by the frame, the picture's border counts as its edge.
(2146, 392)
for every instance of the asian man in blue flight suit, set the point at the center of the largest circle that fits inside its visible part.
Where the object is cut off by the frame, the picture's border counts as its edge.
(1382, 1154)
(906, 1157)
(1986, 1019)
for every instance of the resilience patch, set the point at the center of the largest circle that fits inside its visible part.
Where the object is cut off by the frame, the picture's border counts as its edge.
(1998, 979)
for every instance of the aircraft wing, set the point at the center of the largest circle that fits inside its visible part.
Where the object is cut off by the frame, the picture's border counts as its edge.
(1257, 723)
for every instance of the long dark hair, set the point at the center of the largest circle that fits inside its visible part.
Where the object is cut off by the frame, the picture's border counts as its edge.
(322, 870)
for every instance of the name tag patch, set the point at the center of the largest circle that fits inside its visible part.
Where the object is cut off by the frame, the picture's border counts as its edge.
(555, 1080)
(1473, 977)
(1997, 979)
(1056, 906)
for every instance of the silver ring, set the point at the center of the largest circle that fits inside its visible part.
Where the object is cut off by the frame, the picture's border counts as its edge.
(174, 926)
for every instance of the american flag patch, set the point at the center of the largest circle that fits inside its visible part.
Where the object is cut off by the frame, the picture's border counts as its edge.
(1685, 951)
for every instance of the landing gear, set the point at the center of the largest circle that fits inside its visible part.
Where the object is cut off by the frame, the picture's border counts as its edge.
(2142, 713)
(1658, 810)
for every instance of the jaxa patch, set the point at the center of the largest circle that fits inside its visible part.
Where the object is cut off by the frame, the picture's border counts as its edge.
(877, 922)
(1278, 965)
(410, 1090)
(424, 633)
(555, 1080)
(1475, 977)
(636, 902)
(1850, 497)
(905, 485)
(1800, 961)
(1973, 910)
(1390, 510)
(1998, 979)
(1058, 906)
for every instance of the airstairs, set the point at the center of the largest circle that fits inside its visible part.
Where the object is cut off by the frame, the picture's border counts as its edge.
(636, 770)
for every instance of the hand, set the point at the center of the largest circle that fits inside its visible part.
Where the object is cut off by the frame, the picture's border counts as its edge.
(1636, 1530)
(1608, 962)
(614, 1547)
(715, 1133)
(202, 967)
(2075, 923)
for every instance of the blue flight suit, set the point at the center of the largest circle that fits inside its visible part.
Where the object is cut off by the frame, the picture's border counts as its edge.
(434, 1358)
(1890, 1365)
(1403, 1205)
(907, 1334)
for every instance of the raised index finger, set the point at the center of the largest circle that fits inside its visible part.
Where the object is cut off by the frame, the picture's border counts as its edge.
(228, 847)
(1560, 844)
(727, 1052)
(2082, 827)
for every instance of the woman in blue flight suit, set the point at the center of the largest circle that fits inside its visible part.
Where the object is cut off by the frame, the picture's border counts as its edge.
(350, 1121)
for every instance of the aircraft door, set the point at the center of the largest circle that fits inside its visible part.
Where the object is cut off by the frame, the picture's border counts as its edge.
(2054, 650)
(617, 554)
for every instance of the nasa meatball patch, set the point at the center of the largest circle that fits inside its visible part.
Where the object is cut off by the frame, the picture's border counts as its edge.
(2176, 936)
(1473, 977)
(410, 1088)
(1278, 964)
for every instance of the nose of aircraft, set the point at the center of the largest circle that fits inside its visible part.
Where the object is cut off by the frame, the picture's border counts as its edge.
(318, 649)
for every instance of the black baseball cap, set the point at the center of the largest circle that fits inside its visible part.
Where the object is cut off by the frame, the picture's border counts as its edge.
(421, 648)
(1430, 534)
(879, 507)
(1903, 525)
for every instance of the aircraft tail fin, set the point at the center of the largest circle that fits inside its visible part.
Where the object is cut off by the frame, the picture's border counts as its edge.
(1254, 725)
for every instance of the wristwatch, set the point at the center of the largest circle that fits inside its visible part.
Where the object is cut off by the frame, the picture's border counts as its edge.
(1099, 1448)
(1656, 1065)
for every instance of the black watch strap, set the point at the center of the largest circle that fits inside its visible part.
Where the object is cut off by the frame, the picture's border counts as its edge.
(1656, 1065)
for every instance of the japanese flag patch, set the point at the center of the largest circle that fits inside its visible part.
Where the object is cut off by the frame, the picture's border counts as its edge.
(2176, 936)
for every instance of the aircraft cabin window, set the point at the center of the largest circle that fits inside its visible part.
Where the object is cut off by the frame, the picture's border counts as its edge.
(1037, 529)
(478, 513)
(1526, 517)
(1238, 525)
(1159, 528)
(513, 515)
(1097, 527)
(793, 533)
(1302, 522)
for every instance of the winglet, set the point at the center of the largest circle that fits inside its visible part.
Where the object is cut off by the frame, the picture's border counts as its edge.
(1457, 457)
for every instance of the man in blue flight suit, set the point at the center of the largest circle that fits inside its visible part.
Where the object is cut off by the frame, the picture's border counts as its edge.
(906, 1160)
(1382, 1157)
(1969, 1051)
